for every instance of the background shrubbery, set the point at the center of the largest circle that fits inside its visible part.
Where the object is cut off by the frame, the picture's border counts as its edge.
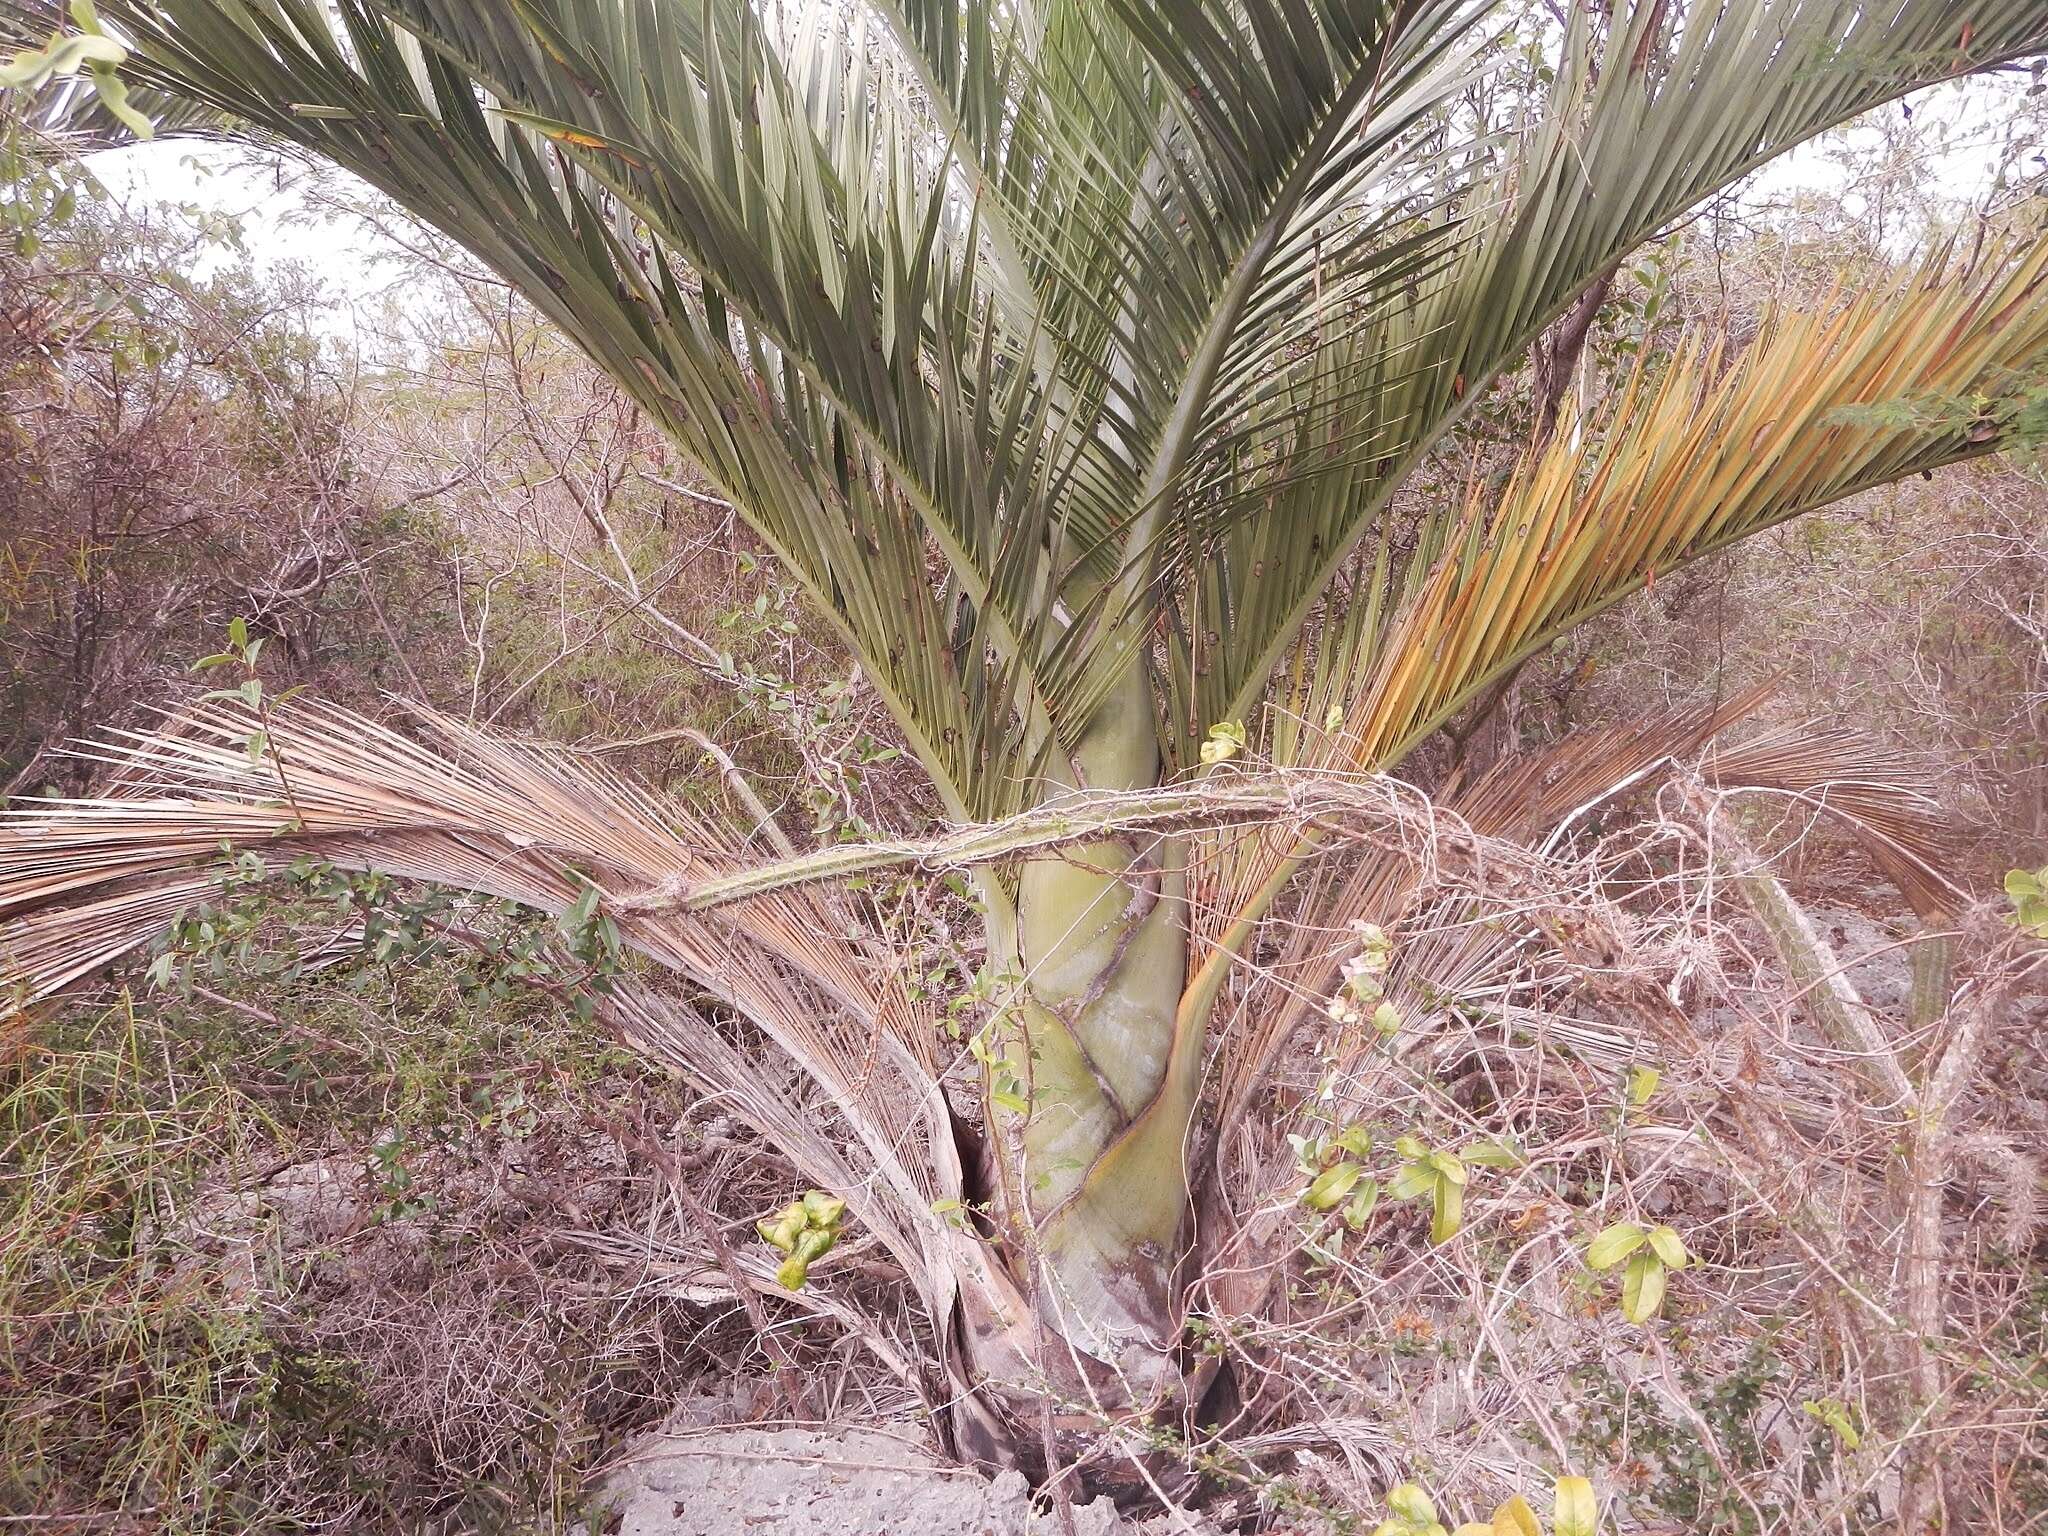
(320, 1231)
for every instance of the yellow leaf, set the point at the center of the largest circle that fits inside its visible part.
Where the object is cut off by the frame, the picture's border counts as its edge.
(1642, 1287)
(1450, 1165)
(783, 1228)
(1615, 1244)
(1668, 1247)
(1515, 1518)
(568, 133)
(1642, 1083)
(1411, 1504)
(1578, 1512)
(1359, 1209)
(1226, 739)
(822, 1209)
(1450, 1211)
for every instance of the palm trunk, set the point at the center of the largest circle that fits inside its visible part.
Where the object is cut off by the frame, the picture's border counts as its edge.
(1094, 1188)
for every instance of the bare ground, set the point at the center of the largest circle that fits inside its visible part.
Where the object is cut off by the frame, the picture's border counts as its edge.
(830, 1480)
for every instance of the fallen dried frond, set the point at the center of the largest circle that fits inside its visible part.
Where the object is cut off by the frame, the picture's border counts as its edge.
(84, 882)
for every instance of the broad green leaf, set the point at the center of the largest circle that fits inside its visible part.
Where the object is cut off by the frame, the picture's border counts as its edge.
(1667, 1246)
(1497, 1153)
(1413, 1179)
(1364, 1201)
(1450, 1210)
(576, 917)
(112, 91)
(1642, 1287)
(1330, 1186)
(1614, 1244)
(1411, 1504)
(2022, 884)
(64, 56)
(1307, 1149)
(1356, 1140)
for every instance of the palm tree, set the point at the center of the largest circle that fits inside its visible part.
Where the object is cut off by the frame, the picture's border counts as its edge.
(1071, 354)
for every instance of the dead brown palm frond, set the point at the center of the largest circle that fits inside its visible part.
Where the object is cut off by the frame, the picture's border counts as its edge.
(892, 1194)
(85, 882)
(1529, 799)
(1857, 781)
(44, 952)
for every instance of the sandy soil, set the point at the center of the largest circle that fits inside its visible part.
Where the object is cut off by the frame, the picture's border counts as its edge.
(827, 1481)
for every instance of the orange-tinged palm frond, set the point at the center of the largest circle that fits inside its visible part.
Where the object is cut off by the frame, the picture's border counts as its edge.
(1691, 459)
(1820, 407)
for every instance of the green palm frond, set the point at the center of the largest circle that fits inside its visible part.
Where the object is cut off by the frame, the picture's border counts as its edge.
(780, 284)
(979, 323)
(1682, 101)
(1010, 326)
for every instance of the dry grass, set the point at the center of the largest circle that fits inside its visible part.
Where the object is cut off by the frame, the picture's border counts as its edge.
(1842, 1260)
(324, 1282)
